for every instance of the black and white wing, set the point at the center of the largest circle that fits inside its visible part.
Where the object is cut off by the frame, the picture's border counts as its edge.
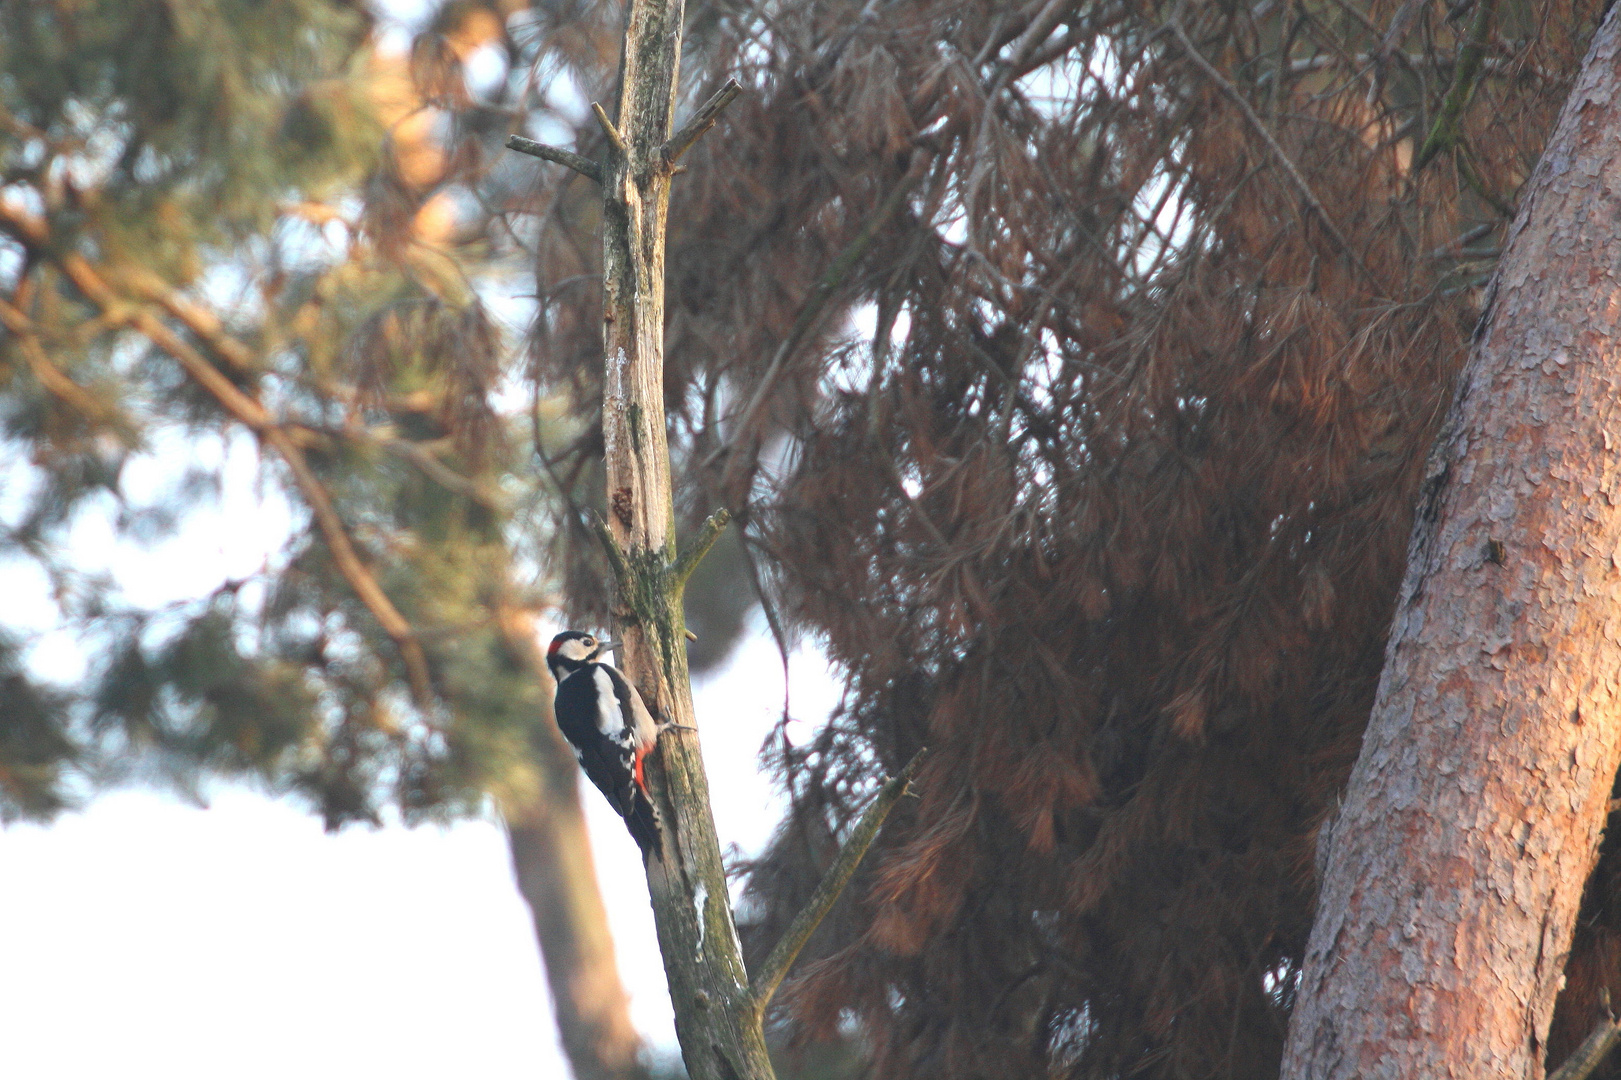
(597, 711)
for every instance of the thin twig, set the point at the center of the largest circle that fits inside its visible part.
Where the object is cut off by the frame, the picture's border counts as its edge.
(1035, 33)
(1466, 171)
(1452, 248)
(1284, 162)
(764, 985)
(701, 121)
(608, 129)
(578, 162)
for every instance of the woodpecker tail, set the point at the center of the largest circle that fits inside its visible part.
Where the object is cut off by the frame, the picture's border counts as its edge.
(643, 822)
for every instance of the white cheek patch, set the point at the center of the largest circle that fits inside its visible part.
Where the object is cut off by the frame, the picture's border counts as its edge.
(609, 722)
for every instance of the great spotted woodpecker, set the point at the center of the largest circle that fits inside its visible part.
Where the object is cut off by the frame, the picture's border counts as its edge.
(603, 717)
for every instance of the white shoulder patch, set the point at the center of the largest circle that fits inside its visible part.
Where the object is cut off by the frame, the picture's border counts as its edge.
(609, 719)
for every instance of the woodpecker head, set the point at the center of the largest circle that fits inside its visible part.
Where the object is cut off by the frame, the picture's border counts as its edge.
(572, 650)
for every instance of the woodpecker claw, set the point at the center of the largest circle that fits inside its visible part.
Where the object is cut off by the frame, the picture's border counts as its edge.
(662, 728)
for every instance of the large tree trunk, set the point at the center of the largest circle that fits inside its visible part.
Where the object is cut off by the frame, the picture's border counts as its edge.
(1473, 814)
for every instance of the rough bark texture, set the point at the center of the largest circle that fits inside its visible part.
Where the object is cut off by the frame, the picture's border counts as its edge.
(551, 858)
(1473, 814)
(716, 1020)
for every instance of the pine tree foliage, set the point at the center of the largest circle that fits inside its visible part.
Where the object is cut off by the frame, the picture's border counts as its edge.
(238, 216)
(1071, 368)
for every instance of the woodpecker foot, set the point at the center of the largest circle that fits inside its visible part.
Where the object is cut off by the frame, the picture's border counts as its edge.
(662, 728)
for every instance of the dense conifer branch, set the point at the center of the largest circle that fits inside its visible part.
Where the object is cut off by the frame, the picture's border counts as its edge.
(248, 411)
(426, 462)
(1284, 161)
(57, 382)
(204, 325)
(826, 285)
(783, 954)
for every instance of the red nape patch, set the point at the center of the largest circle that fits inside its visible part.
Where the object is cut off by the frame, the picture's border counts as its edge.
(553, 647)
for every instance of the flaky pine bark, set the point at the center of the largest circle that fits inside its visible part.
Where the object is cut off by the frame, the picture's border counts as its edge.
(1473, 814)
(551, 858)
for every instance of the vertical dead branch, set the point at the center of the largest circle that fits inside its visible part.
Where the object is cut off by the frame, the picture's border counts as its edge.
(718, 1016)
(721, 1038)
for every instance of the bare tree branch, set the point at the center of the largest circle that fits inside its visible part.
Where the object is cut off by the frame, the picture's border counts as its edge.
(831, 887)
(701, 121)
(708, 533)
(579, 163)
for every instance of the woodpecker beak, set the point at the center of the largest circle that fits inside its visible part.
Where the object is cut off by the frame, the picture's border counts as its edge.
(605, 646)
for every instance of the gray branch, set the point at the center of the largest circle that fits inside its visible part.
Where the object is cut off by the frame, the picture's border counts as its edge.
(764, 985)
(701, 121)
(582, 165)
(689, 559)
